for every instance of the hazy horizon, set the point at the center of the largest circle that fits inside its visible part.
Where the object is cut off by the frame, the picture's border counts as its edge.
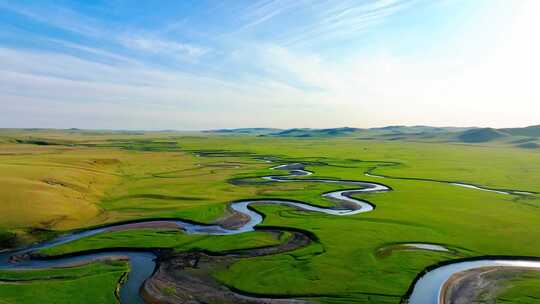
(199, 65)
(248, 127)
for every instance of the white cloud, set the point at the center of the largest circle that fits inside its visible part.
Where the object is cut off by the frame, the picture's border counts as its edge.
(54, 85)
(323, 20)
(58, 17)
(69, 20)
(162, 46)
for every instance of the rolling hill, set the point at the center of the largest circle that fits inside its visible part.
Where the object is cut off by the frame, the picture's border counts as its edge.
(481, 135)
(531, 131)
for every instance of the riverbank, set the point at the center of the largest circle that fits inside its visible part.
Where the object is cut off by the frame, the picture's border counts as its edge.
(481, 285)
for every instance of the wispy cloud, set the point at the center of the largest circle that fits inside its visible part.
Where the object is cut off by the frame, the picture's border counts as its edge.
(319, 21)
(57, 17)
(262, 11)
(347, 20)
(74, 22)
(162, 46)
(31, 80)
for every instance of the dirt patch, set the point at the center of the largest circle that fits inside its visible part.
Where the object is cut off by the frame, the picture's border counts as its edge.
(233, 220)
(53, 182)
(187, 277)
(105, 161)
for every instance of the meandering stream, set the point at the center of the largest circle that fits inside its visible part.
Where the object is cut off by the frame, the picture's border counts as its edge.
(464, 185)
(142, 264)
(426, 290)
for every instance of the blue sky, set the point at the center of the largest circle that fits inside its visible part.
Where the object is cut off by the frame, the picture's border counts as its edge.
(211, 64)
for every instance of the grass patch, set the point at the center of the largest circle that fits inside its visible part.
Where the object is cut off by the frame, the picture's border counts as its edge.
(92, 283)
(155, 238)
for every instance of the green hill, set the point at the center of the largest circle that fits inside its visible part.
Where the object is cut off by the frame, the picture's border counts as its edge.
(531, 131)
(529, 145)
(316, 132)
(481, 135)
(244, 131)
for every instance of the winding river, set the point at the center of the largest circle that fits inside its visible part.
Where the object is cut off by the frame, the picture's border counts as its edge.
(427, 288)
(142, 263)
(459, 184)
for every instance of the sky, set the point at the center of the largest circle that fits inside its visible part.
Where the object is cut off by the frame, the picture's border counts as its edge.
(188, 65)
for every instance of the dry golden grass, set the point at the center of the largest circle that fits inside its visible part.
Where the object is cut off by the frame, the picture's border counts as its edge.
(67, 187)
(51, 186)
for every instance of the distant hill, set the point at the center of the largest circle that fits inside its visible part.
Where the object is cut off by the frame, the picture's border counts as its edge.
(417, 129)
(526, 138)
(408, 129)
(532, 131)
(245, 131)
(343, 131)
(372, 132)
(481, 135)
(529, 145)
(316, 132)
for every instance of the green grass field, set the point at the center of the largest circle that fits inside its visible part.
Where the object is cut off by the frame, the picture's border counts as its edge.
(82, 180)
(158, 238)
(63, 285)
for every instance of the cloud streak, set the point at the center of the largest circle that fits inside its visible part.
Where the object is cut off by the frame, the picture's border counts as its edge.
(161, 46)
(57, 17)
(324, 20)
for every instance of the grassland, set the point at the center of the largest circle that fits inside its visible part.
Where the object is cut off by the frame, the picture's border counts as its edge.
(81, 180)
(93, 283)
